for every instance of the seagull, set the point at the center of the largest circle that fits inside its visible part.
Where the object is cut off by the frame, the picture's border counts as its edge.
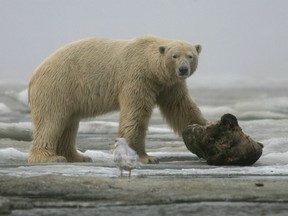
(125, 158)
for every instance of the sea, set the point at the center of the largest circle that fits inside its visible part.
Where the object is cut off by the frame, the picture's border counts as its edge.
(261, 109)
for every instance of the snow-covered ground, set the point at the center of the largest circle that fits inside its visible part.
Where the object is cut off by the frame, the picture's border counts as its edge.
(262, 114)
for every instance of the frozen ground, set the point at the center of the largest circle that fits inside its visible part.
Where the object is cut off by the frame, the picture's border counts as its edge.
(180, 185)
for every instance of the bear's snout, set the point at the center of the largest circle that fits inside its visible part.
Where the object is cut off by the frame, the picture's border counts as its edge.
(183, 71)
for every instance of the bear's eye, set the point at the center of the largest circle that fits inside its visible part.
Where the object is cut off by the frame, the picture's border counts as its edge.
(174, 56)
(190, 56)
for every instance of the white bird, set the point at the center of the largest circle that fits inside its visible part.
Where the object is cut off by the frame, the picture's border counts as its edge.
(125, 158)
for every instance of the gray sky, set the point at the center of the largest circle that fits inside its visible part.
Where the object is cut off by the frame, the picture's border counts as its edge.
(241, 39)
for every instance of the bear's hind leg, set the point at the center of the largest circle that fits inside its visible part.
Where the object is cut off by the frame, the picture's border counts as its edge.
(44, 145)
(67, 144)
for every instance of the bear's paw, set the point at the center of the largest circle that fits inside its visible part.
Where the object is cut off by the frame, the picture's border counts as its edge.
(46, 159)
(146, 159)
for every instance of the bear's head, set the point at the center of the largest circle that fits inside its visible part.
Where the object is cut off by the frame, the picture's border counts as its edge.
(180, 58)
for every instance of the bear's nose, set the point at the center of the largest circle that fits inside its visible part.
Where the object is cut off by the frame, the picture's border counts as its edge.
(183, 71)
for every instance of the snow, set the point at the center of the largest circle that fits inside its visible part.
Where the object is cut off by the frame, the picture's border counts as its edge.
(269, 164)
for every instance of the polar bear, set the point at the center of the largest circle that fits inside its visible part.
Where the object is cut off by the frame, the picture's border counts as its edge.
(95, 76)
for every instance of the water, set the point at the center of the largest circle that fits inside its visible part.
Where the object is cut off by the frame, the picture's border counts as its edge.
(262, 111)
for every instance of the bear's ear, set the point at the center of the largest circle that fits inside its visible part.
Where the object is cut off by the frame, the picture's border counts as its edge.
(198, 48)
(162, 49)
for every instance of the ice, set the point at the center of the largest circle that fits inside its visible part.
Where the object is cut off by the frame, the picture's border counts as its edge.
(9, 155)
(225, 171)
(23, 96)
(275, 151)
(211, 111)
(4, 108)
(276, 145)
(167, 154)
(99, 155)
(257, 108)
(16, 131)
(159, 130)
(269, 164)
(86, 127)
(276, 104)
(98, 127)
(275, 158)
(60, 169)
(111, 127)
(265, 129)
(108, 171)
(262, 110)
(18, 125)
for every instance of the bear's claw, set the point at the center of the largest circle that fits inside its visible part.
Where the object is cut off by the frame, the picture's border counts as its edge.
(84, 159)
(78, 157)
(146, 159)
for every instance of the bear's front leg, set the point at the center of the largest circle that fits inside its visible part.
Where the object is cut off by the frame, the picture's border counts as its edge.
(134, 119)
(178, 108)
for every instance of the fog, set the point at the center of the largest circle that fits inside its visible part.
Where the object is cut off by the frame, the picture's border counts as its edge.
(242, 39)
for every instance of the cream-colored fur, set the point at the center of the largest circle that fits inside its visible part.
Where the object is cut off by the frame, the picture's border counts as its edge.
(94, 76)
